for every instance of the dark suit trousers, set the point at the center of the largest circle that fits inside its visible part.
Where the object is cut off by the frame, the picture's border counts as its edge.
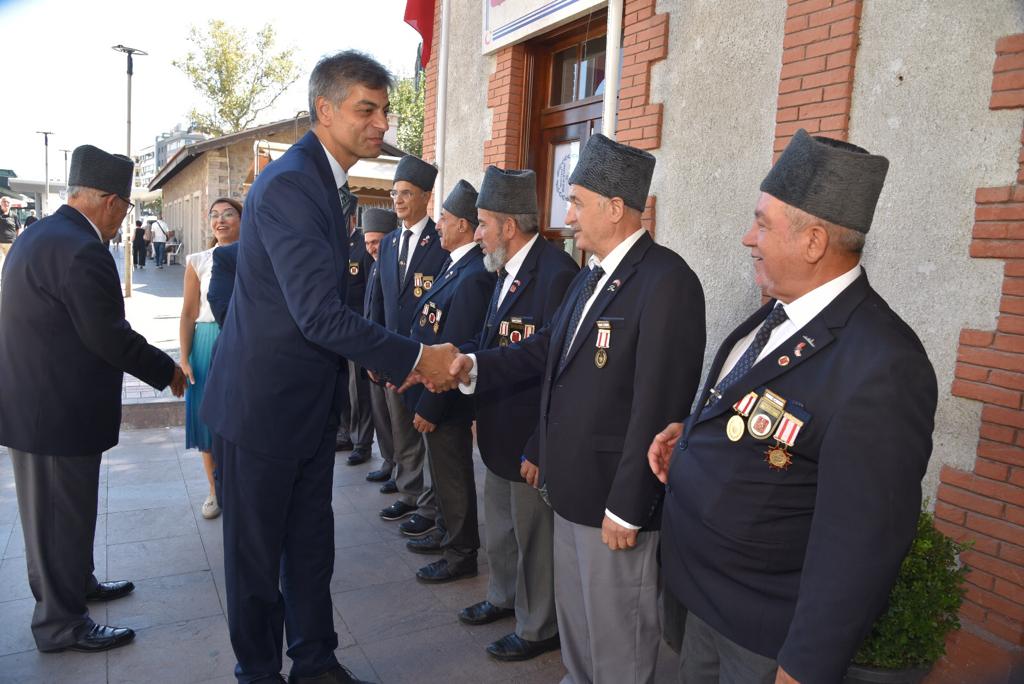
(57, 497)
(450, 459)
(360, 423)
(382, 425)
(708, 657)
(279, 557)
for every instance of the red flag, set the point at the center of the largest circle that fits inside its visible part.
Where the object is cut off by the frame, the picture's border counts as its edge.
(420, 15)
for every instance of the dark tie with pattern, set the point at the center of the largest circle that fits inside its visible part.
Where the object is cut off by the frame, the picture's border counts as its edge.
(492, 308)
(403, 258)
(577, 312)
(348, 202)
(777, 316)
(444, 267)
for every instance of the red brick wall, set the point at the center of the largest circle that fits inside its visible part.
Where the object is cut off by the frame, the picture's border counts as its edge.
(819, 51)
(506, 96)
(986, 505)
(644, 42)
(430, 83)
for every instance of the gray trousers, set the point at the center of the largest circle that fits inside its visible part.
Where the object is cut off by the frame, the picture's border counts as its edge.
(607, 605)
(450, 458)
(57, 500)
(360, 418)
(518, 529)
(382, 424)
(410, 457)
(710, 658)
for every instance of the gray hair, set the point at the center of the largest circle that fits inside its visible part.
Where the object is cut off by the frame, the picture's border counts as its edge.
(335, 74)
(846, 239)
(84, 193)
(528, 224)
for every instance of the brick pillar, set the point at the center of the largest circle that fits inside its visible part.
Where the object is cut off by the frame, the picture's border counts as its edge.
(506, 96)
(430, 84)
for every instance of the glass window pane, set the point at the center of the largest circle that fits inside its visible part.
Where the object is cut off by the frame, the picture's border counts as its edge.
(592, 68)
(563, 77)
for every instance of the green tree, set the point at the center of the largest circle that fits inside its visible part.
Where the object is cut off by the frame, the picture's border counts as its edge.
(407, 101)
(239, 77)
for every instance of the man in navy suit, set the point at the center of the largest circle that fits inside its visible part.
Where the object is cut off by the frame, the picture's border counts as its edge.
(357, 422)
(410, 261)
(279, 376)
(624, 350)
(533, 276)
(222, 280)
(64, 348)
(453, 311)
(794, 489)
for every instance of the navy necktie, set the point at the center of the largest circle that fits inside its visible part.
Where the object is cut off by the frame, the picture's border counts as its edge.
(777, 316)
(447, 264)
(348, 202)
(492, 308)
(403, 258)
(577, 312)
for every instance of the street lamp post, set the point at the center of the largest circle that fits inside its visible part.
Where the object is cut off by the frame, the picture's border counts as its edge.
(129, 52)
(65, 169)
(46, 170)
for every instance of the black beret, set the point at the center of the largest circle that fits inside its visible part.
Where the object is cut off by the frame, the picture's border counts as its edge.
(508, 191)
(379, 220)
(612, 169)
(461, 202)
(91, 167)
(828, 178)
(416, 171)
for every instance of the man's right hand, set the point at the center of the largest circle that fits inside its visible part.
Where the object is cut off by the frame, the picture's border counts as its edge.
(460, 368)
(432, 370)
(178, 381)
(530, 473)
(659, 456)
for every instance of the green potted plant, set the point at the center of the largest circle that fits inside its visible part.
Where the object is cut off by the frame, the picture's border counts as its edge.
(911, 635)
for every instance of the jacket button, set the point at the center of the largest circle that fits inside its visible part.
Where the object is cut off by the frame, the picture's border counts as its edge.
(683, 444)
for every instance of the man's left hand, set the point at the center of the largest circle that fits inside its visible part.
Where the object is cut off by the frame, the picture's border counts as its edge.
(781, 677)
(616, 536)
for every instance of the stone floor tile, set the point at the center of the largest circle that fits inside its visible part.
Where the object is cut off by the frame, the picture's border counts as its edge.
(366, 565)
(8, 503)
(344, 474)
(15, 628)
(465, 592)
(5, 536)
(165, 600)
(156, 450)
(185, 652)
(14, 579)
(157, 557)
(150, 523)
(139, 497)
(389, 610)
(353, 530)
(144, 472)
(33, 667)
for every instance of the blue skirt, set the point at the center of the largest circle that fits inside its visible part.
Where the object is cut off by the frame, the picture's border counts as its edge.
(197, 435)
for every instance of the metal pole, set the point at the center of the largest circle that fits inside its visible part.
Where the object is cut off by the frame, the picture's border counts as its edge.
(65, 169)
(129, 51)
(442, 107)
(612, 60)
(46, 172)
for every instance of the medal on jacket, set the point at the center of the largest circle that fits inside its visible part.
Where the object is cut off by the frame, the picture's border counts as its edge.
(503, 334)
(417, 284)
(528, 329)
(734, 428)
(423, 315)
(515, 330)
(353, 268)
(765, 415)
(785, 436)
(428, 282)
(437, 319)
(604, 343)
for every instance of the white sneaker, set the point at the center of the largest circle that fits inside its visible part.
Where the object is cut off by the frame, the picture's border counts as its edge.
(211, 509)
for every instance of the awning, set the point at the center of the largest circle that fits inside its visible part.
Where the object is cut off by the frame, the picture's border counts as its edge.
(144, 195)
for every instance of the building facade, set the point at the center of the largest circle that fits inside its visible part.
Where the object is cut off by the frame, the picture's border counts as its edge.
(167, 144)
(715, 90)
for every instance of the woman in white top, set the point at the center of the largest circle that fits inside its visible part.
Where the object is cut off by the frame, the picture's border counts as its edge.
(198, 331)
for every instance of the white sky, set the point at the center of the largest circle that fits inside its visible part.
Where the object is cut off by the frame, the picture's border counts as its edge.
(63, 77)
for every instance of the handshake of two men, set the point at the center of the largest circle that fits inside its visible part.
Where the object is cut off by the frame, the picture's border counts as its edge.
(441, 368)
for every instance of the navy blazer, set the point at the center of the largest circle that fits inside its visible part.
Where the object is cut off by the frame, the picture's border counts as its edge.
(453, 311)
(64, 342)
(373, 303)
(400, 300)
(359, 263)
(278, 371)
(797, 563)
(222, 280)
(596, 424)
(506, 416)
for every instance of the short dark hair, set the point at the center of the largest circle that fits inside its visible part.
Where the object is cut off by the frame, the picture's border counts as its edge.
(335, 74)
(138, 223)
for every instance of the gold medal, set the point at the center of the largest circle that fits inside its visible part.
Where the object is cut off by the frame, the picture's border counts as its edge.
(353, 267)
(600, 358)
(418, 291)
(428, 282)
(734, 428)
(778, 458)
(437, 327)
(423, 320)
(502, 341)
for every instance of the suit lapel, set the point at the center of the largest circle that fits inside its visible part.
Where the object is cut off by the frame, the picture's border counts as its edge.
(429, 235)
(526, 273)
(446, 279)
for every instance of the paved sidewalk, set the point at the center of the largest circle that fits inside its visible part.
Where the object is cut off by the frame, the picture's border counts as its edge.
(392, 629)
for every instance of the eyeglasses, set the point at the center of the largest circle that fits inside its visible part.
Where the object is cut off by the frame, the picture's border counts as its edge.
(403, 194)
(227, 215)
(131, 205)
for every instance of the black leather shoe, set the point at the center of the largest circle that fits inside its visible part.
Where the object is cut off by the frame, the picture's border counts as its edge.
(397, 511)
(484, 613)
(382, 475)
(358, 456)
(389, 487)
(429, 545)
(440, 571)
(417, 526)
(99, 638)
(108, 591)
(338, 675)
(343, 445)
(514, 647)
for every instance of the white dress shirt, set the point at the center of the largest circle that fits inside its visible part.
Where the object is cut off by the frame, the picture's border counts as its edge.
(799, 313)
(414, 239)
(456, 254)
(512, 266)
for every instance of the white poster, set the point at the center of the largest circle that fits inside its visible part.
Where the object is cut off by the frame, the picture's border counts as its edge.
(563, 162)
(510, 21)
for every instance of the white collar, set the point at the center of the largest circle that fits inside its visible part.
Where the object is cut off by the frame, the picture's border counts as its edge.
(459, 252)
(340, 176)
(615, 257)
(98, 233)
(417, 227)
(515, 261)
(802, 309)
